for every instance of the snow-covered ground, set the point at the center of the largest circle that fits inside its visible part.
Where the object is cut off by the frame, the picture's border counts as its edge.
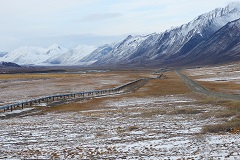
(218, 73)
(15, 112)
(223, 78)
(128, 128)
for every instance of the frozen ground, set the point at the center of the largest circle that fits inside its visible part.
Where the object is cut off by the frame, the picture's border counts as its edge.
(214, 71)
(20, 89)
(226, 75)
(220, 73)
(129, 128)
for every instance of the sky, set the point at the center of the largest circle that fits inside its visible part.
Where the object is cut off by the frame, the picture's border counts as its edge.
(91, 22)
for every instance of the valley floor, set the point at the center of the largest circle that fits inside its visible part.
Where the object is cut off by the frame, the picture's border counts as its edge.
(161, 120)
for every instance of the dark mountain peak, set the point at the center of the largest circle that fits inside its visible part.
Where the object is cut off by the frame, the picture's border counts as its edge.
(8, 64)
(129, 36)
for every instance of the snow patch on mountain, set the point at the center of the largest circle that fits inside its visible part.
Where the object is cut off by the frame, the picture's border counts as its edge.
(72, 56)
(2, 54)
(120, 51)
(96, 55)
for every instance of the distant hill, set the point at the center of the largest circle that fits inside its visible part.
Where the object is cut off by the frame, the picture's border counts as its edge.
(8, 64)
(52, 55)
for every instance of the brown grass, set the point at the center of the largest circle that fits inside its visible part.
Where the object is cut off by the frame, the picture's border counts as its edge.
(228, 87)
(90, 79)
(232, 127)
(88, 104)
(232, 112)
(228, 104)
(36, 76)
(186, 111)
(130, 74)
(132, 128)
(159, 87)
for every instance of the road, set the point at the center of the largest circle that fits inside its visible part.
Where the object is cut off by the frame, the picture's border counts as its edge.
(197, 88)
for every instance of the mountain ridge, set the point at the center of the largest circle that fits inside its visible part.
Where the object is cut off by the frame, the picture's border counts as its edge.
(167, 48)
(222, 46)
(176, 42)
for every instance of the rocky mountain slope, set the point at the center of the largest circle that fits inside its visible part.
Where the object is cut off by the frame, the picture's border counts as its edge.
(155, 49)
(71, 57)
(222, 46)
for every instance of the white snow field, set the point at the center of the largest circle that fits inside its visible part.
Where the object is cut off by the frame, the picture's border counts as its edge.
(128, 128)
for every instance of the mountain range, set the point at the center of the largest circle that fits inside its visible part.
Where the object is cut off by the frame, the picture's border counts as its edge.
(52, 55)
(210, 38)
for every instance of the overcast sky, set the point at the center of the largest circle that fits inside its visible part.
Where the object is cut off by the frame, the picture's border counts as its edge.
(91, 22)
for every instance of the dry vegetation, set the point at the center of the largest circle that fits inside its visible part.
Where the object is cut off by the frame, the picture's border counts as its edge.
(19, 87)
(228, 87)
(171, 85)
(162, 118)
(231, 114)
(221, 79)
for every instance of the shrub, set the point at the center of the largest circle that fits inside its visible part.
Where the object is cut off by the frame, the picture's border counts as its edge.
(226, 127)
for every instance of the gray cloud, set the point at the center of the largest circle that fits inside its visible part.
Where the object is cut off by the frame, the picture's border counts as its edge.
(101, 16)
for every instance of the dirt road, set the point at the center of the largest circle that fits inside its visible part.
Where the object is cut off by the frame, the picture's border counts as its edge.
(201, 90)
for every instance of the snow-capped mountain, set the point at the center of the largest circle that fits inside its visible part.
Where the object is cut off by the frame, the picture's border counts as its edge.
(53, 55)
(158, 48)
(33, 55)
(71, 57)
(180, 45)
(121, 51)
(95, 55)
